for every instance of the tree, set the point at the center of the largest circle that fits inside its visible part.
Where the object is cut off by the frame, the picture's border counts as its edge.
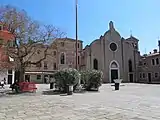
(27, 33)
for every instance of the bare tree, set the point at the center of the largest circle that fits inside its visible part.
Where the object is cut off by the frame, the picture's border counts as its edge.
(27, 35)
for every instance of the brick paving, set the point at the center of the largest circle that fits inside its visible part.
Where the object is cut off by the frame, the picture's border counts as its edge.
(132, 102)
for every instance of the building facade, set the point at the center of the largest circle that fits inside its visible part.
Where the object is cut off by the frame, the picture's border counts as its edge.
(61, 54)
(149, 68)
(114, 55)
(6, 63)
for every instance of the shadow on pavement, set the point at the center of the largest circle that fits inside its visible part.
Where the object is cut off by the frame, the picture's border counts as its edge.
(52, 92)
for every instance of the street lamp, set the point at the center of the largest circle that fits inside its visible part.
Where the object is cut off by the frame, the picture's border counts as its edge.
(76, 34)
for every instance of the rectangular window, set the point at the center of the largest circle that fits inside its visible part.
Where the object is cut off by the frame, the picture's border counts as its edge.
(9, 71)
(78, 45)
(153, 62)
(144, 75)
(140, 75)
(45, 65)
(156, 75)
(54, 66)
(157, 61)
(38, 77)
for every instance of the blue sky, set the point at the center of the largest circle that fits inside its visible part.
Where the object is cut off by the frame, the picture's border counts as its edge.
(139, 16)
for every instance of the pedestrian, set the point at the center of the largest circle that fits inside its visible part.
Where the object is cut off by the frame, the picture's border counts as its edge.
(2, 84)
(5, 81)
(51, 83)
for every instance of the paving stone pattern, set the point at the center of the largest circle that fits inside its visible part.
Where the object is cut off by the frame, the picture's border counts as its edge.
(132, 102)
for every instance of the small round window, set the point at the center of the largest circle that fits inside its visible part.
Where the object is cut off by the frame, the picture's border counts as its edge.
(113, 46)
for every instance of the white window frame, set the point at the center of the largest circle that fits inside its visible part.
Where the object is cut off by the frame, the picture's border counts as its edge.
(45, 68)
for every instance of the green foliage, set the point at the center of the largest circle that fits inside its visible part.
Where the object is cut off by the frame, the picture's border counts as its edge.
(67, 77)
(91, 79)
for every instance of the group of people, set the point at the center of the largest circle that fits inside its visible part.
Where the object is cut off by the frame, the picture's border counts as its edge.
(3, 82)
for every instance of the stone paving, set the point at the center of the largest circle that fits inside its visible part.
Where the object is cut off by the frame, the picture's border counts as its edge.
(132, 102)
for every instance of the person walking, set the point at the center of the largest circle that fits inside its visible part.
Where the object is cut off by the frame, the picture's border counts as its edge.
(51, 83)
(2, 84)
(5, 81)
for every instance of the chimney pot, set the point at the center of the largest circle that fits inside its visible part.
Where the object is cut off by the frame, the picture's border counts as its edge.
(155, 50)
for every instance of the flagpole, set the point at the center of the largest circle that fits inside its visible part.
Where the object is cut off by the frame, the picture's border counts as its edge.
(77, 34)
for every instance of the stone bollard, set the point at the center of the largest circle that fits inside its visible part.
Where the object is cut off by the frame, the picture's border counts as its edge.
(69, 89)
(117, 83)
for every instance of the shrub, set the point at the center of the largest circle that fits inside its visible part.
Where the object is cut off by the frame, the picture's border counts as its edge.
(91, 79)
(66, 77)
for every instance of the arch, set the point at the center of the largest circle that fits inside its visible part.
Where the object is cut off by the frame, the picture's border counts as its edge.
(95, 64)
(114, 62)
(130, 67)
(62, 58)
(114, 69)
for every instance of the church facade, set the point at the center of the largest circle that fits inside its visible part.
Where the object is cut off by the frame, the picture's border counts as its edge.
(115, 56)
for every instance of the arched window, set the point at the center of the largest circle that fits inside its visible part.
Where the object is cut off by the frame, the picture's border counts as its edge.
(130, 66)
(62, 58)
(157, 61)
(95, 64)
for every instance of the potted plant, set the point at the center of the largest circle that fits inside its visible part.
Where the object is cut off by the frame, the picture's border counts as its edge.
(92, 79)
(67, 79)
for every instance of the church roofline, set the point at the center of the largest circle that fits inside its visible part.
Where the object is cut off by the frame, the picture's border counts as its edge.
(133, 38)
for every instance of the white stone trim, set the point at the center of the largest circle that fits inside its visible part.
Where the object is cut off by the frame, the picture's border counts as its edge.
(110, 48)
(113, 69)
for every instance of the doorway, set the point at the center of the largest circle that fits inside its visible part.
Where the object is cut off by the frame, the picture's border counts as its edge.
(9, 79)
(149, 78)
(114, 75)
(27, 78)
(131, 77)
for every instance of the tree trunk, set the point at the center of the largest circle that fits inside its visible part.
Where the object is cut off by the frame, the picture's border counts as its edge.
(22, 71)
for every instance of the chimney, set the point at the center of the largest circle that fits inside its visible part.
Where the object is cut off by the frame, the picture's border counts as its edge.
(159, 45)
(155, 51)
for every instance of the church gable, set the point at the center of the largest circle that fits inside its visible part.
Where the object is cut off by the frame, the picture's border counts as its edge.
(112, 34)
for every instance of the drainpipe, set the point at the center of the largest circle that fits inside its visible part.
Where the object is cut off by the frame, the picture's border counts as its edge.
(122, 57)
(90, 58)
(135, 73)
(104, 51)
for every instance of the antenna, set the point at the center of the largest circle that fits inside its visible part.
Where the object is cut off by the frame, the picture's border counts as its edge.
(131, 33)
(145, 51)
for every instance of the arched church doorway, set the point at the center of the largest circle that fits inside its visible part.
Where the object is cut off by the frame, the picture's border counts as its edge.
(114, 71)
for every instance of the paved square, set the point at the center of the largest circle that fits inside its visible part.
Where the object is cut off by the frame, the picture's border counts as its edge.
(132, 102)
